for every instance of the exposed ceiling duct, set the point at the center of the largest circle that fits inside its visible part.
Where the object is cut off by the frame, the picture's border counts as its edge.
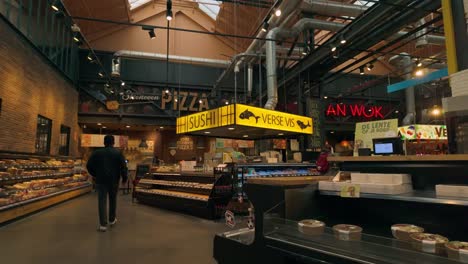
(330, 8)
(404, 62)
(160, 56)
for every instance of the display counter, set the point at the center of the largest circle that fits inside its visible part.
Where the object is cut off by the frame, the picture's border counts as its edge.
(29, 184)
(277, 229)
(419, 158)
(197, 193)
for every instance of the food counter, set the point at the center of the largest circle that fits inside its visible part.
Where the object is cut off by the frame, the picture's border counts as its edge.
(279, 234)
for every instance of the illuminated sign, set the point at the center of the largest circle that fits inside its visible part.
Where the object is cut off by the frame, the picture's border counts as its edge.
(423, 132)
(244, 115)
(264, 118)
(222, 116)
(185, 101)
(356, 110)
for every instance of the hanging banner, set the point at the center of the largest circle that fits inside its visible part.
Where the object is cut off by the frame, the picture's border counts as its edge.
(366, 131)
(412, 132)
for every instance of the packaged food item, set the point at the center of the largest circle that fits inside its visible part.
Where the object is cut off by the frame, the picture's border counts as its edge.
(403, 231)
(311, 227)
(347, 232)
(457, 250)
(430, 243)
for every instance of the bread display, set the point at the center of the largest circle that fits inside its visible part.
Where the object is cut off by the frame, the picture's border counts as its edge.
(457, 250)
(311, 227)
(403, 231)
(347, 232)
(430, 243)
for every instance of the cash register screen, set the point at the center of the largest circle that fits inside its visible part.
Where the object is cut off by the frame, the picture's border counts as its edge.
(383, 148)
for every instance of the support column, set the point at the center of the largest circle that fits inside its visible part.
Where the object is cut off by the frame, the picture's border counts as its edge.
(455, 107)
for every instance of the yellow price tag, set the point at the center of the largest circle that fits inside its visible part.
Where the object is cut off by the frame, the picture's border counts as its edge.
(350, 191)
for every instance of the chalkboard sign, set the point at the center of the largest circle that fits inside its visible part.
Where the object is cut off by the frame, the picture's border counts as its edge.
(141, 170)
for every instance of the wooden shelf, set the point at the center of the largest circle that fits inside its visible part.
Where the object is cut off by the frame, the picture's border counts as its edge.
(185, 195)
(451, 157)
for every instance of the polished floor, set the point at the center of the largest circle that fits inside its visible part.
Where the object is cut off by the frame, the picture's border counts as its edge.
(66, 233)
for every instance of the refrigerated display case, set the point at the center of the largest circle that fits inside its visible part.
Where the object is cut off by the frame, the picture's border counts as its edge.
(279, 233)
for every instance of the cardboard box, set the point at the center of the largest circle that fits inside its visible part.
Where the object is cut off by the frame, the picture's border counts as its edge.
(452, 190)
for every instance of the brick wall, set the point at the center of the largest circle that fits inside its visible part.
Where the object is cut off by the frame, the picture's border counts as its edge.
(29, 86)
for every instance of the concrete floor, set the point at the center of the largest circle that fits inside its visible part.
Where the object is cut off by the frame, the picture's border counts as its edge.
(66, 233)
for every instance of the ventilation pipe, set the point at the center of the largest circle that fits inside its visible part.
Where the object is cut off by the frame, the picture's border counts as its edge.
(159, 56)
(421, 35)
(330, 8)
(249, 80)
(403, 62)
(300, 26)
(115, 67)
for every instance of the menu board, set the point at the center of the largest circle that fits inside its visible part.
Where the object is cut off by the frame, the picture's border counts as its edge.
(366, 131)
(413, 132)
(97, 140)
(232, 143)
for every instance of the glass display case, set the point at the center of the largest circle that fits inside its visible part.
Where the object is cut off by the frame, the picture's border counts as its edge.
(282, 229)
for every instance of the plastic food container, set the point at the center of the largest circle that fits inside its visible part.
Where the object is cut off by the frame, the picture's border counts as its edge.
(457, 250)
(311, 227)
(429, 243)
(347, 232)
(403, 231)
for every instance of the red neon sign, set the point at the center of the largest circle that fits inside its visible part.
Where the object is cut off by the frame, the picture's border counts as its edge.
(356, 110)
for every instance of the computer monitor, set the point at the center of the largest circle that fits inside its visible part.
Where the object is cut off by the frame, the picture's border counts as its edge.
(388, 146)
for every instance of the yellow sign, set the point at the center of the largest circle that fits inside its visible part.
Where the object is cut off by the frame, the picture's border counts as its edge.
(218, 117)
(350, 191)
(269, 119)
(244, 115)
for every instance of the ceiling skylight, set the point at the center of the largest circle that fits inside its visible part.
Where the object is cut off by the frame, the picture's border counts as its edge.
(136, 3)
(210, 7)
(364, 3)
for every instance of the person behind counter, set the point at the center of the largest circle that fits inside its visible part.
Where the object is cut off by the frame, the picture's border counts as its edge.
(107, 165)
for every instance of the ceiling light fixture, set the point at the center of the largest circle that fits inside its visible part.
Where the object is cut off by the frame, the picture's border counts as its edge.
(122, 83)
(101, 74)
(151, 34)
(278, 12)
(342, 40)
(336, 54)
(332, 132)
(361, 70)
(99, 124)
(161, 127)
(76, 37)
(166, 91)
(281, 134)
(419, 73)
(265, 26)
(176, 100)
(333, 48)
(231, 128)
(396, 111)
(419, 62)
(116, 62)
(207, 132)
(325, 97)
(90, 56)
(227, 102)
(246, 136)
(56, 5)
(127, 126)
(436, 111)
(169, 10)
(370, 66)
(104, 127)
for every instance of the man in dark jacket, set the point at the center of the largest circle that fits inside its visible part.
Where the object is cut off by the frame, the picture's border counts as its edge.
(107, 165)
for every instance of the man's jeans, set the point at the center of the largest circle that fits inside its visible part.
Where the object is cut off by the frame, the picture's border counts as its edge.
(105, 190)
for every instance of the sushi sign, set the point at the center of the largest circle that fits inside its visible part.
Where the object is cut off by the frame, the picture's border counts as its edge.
(356, 110)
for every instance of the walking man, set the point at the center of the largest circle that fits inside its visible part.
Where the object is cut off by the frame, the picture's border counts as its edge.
(107, 165)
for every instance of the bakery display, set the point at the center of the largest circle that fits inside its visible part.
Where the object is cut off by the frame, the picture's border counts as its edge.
(311, 227)
(403, 231)
(429, 243)
(457, 250)
(347, 232)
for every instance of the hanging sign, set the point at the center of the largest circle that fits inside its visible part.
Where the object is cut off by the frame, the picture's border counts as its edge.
(265, 118)
(355, 110)
(412, 132)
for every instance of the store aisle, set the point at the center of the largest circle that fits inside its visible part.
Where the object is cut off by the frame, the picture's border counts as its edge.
(67, 234)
